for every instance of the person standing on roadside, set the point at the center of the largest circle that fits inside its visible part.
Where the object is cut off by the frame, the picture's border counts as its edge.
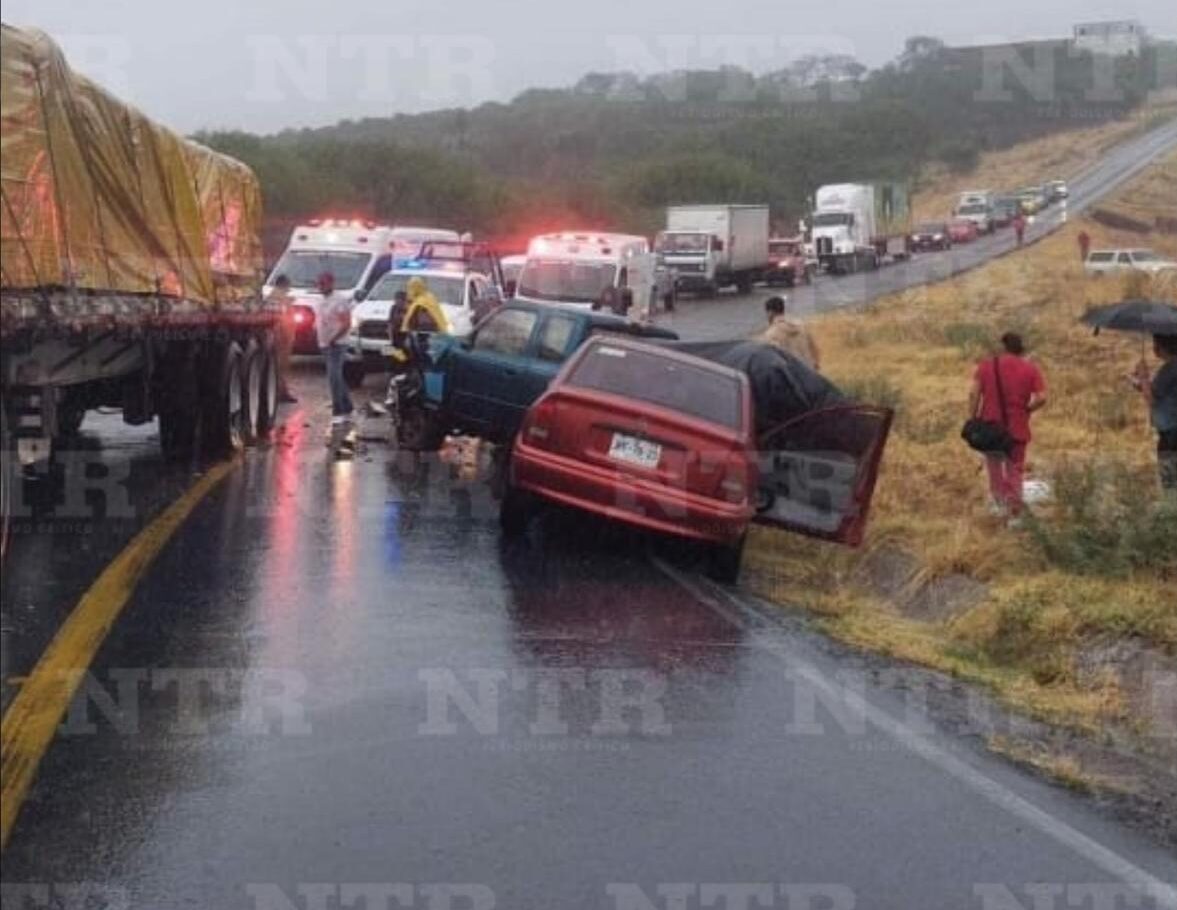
(1084, 245)
(789, 336)
(1007, 389)
(281, 299)
(1020, 226)
(1160, 392)
(333, 325)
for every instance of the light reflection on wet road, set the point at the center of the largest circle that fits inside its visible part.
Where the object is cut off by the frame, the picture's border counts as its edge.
(338, 673)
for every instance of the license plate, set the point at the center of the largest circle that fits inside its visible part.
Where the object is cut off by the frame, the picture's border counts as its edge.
(635, 451)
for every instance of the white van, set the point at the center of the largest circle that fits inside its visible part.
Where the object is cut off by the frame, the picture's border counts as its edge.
(576, 267)
(355, 252)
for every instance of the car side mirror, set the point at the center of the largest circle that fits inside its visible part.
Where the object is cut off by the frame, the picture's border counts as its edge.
(360, 295)
(716, 245)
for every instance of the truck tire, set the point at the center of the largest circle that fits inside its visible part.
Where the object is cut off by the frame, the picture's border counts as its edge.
(9, 478)
(744, 284)
(178, 404)
(268, 418)
(70, 415)
(260, 387)
(223, 420)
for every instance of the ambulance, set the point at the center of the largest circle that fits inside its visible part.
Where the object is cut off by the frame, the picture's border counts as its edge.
(576, 267)
(355, 251)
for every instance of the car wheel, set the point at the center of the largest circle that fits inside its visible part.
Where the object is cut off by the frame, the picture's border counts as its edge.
(419, 430)
(515, 511)
(724, 560)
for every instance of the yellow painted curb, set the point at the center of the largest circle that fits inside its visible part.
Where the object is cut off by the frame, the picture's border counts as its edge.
(31, 720)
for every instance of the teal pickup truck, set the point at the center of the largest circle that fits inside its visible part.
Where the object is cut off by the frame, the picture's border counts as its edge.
(481, 384)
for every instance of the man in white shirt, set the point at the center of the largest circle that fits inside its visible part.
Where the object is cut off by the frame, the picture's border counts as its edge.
(333, 326)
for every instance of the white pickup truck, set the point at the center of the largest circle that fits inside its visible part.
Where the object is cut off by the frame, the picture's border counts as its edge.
(1112, 262)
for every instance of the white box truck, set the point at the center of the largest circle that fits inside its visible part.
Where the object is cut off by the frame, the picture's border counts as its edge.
(709, 247)
(857, 225)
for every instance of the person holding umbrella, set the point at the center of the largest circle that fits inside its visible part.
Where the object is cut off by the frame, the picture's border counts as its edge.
(1160, 393)
(1147, 317)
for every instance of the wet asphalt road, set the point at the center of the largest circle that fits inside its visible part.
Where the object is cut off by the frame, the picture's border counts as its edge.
(337, 674)
(731, 316)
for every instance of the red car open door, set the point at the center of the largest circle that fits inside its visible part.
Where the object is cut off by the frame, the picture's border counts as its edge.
(818, 471)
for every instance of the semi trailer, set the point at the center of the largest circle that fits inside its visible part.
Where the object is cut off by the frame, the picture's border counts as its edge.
(132, 268)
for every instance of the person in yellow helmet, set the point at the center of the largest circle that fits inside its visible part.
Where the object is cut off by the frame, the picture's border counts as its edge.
(421, 313)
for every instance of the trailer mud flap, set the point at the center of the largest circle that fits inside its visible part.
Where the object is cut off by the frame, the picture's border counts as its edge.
(818, 472)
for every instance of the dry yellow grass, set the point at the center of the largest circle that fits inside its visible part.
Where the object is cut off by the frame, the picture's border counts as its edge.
(920, 347)
(1064, 155)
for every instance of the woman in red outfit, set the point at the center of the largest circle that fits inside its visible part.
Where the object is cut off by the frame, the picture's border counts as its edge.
(1007, 389)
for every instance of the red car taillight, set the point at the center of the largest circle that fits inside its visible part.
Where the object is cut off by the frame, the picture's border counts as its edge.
(539, 426)
(737, 481)
(302, 316)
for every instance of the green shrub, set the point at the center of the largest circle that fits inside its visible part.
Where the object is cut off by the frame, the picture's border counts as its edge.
(1108, 522)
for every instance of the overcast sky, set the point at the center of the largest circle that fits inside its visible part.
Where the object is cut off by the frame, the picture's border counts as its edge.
(263, 65)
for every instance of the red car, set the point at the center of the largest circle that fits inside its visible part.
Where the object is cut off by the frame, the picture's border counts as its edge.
(646, 436)
(962, 230)
(786, 262)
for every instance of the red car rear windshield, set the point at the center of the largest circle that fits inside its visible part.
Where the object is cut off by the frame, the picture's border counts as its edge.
(665, 381)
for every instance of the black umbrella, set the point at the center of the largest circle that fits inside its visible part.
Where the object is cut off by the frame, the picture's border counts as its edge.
(1144, 316)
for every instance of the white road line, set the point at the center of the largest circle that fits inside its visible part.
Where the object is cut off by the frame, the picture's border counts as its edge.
(1127, 872)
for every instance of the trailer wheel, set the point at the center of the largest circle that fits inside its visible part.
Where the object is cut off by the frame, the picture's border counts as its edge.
(223, 417)
(268, 417)
(9, 478)
(178, 403)
(253, 390)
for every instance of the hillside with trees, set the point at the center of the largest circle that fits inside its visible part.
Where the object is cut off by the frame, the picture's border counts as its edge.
(615, 148)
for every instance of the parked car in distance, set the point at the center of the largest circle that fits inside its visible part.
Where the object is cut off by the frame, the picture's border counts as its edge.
(643, 435)
(787, 262)
(1005, 209)
(981, 214)
(1105, 262)
(1033, 198)
(962, 230)
(1057, 189)
(932, 235)
(481, 384)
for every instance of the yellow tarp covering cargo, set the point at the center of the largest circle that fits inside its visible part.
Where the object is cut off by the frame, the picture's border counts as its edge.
(98, 197)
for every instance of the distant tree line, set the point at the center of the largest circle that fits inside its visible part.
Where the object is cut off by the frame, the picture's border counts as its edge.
(615, 148)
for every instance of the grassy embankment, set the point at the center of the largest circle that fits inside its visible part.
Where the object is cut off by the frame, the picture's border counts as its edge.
(1065, 617)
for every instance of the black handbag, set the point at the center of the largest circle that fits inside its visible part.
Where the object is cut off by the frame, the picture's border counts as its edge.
(986, 436)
